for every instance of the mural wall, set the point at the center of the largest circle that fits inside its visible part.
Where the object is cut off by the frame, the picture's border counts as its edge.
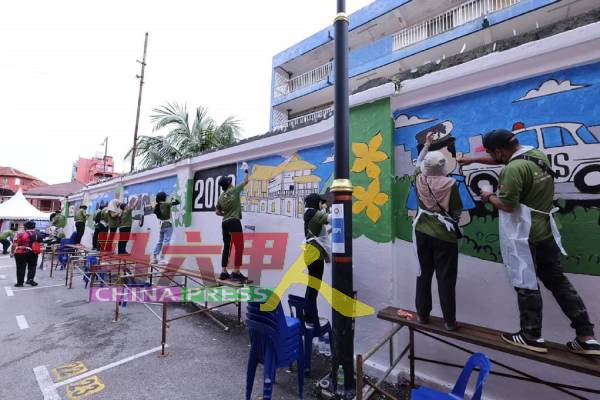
(557, 113)
(142, 197)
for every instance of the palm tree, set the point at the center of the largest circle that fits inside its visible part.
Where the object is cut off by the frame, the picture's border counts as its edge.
(183, 140)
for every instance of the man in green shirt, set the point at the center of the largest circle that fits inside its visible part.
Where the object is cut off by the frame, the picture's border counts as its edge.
(162, 210)
(80, 219)
(527, 186)
(59, 222)
(99, 226)
(5, 239)
(125, 228)
(229, 206)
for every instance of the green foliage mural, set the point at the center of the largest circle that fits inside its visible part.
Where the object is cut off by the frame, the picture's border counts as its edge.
(371, 171)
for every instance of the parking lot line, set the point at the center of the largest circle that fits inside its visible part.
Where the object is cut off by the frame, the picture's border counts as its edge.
(9, 291)
(45, 382)
(38, 287)
(22, 322)
(106, 367)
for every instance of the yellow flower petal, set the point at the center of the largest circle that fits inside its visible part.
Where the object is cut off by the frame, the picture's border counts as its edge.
(360, 149)
(359, 165)
(373, 213)
(380, 199)
(375, 142)
(373, 188)
(378, 156)
(359, 192)
(373, 170)
(358, 207)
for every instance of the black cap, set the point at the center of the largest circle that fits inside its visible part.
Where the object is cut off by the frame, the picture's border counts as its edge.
(224, 182)
(313, 200)
(499, 139)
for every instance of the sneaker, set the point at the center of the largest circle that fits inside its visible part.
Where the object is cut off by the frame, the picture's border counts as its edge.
(238, 276)
(451, 326)
(224, 276)
(18, 285)
(422, 319)
(518, 339)
(32, 283)
(153, 260)
(589, 347)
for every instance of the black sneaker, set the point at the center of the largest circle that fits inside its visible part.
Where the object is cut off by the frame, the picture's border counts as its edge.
(518, 339)
(18, 285)
(32, 283)
(422, 319)
(589, 347)
(238, 276)
(451, 326)
(224, 276)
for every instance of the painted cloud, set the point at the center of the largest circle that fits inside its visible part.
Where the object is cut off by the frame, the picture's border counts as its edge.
(409, 120)
(549, 87)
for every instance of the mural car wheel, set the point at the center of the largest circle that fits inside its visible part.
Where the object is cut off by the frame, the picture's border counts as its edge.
(587, 180)
(481, 180)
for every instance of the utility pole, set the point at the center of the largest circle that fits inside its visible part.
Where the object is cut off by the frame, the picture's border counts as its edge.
(139, 104)
(343, 326)
(105, 154)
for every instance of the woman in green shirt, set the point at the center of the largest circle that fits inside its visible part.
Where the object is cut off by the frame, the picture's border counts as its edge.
(125, 228)
(162, 210)
(112, 216)
(4, 239)
(315, 219)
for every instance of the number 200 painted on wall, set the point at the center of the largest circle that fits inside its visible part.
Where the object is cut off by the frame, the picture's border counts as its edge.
(206, 186)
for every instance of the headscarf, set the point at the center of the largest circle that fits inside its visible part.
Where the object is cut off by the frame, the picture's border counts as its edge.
(433, 186)
(113, 206)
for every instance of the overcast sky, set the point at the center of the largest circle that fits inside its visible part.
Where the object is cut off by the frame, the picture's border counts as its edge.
(67, 69)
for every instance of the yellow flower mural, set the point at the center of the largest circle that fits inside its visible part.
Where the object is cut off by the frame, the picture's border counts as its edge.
(368, 155)
(370, 199)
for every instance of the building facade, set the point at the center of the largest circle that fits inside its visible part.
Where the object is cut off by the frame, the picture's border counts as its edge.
(97, 168)
(11, 180)
(389, 38)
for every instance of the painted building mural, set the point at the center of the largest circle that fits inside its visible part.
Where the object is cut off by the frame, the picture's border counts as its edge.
(141, 197)
(557, 113)
(278, 184)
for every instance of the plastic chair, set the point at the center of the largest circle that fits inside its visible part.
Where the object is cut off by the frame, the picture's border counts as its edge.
(64, 252)
(311, 326)
(478, 360)
(275, 342)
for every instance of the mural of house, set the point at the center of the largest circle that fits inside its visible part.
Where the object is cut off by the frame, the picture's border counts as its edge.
(281, 189)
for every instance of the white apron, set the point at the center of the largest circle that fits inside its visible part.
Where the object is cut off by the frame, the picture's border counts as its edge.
(443, 220)
(514, 232)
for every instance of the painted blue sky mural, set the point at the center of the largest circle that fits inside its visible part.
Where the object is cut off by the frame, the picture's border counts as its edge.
(565, 96)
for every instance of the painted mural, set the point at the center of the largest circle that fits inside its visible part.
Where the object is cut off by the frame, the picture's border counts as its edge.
(557, 113)
(141, 197)
(96, 200)
(278, 184)
(372, 171)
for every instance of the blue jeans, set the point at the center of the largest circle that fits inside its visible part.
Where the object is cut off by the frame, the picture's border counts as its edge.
(164, 238)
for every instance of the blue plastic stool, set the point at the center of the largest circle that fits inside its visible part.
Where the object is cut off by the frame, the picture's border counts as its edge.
(478, 360)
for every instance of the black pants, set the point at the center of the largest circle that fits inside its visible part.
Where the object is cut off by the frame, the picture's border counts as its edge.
(5, 246)
(26, 261)
(232, 237)
(97, 231)
(80, 228)
(441, 257)
(315, 270)
(546, 256)
(124, 232)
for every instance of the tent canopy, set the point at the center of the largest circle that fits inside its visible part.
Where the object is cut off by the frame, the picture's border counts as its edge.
(18, 208)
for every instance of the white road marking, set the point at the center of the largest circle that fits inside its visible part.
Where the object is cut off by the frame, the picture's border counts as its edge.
(45, 382)
(22, 322)
(2, 276)
(9, 291)
(38, 287)
(106, 367)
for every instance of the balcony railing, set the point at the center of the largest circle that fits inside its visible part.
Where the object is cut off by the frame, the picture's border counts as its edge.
(448, 20)
(306, 119)
(306, 79)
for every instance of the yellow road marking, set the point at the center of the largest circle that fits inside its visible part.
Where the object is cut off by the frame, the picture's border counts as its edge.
(68, 370)
(84, 388)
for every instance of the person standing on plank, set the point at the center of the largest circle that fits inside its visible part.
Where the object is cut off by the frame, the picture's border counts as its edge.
(112, 216)
(530, 241)
(229, 206)
(25, 250)
(125, 228)
(316, 218)
(99, 226)
(435, 234)
(80, 219)
(162, 210)
(6, 238)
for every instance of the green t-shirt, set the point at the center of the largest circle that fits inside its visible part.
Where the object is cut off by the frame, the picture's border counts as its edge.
(431, 226)
(80, 215)
(126, 218)
(523, 182)
(59, 221)
(7, 234)
(316, 223)
(165, 210)
(112, 221)
(230, 204)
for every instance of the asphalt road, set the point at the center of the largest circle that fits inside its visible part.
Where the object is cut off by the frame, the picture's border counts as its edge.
(52, 339)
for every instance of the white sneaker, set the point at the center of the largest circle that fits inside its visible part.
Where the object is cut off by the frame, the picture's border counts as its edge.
(162, 260)
(153, 260)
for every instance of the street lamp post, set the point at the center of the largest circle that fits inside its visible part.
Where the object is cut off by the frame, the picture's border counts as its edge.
(343, 326)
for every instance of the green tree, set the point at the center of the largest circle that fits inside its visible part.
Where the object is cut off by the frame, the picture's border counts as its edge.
(182, 139)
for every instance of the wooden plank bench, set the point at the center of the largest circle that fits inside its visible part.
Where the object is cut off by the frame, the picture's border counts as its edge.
(558, 355)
